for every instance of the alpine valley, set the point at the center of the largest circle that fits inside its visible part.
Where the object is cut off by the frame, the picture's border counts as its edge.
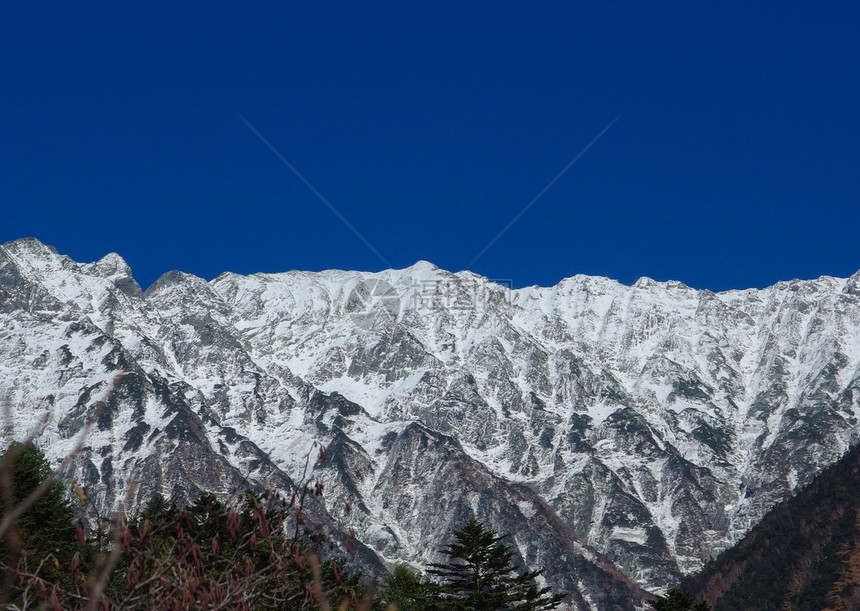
(622, 435)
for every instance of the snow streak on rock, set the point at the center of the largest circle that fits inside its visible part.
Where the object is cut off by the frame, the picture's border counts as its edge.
(650, 424)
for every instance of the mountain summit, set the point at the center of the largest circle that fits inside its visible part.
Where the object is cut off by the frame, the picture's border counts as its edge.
(645, 427)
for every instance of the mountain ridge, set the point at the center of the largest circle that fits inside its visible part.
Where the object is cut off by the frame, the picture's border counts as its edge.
(657, 421)
(69, 329)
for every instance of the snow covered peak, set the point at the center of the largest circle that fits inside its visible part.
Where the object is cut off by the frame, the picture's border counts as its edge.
(31, 247)
(657, 422)
(422, 266)
(111, 264)
(33, 255)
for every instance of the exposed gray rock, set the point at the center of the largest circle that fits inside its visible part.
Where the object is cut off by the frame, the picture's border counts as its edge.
(652, 423)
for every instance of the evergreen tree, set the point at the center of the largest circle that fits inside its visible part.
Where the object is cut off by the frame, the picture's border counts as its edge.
(408, 589)
(50, 519)
(44, 535)
(480, 575)
(678, 600)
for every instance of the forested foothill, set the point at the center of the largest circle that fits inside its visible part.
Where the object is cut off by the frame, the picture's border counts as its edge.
(804, 555)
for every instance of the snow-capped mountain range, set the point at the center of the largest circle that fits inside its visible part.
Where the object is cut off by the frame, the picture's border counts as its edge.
(641, 427)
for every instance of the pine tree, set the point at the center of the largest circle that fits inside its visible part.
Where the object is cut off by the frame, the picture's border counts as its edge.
(44, 535)
(480, 575)
(408, 589)
(50, 519)
(678, 600)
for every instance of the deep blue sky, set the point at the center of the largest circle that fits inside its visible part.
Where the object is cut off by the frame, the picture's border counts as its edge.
(735, 162)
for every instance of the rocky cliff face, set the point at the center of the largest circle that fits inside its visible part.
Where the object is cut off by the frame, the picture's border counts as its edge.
(652, 423)
(188, 397)
(803, 555)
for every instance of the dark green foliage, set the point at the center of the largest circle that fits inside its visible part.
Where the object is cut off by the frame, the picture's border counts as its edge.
(480, 575)
(678, 600)
(409, 590)
(43, 538)
(50, 518)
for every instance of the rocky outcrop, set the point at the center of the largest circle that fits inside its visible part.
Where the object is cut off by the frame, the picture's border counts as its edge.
(167, 394)
(651, 425)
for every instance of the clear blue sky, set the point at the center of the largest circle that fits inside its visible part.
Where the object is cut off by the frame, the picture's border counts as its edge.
(735, 161)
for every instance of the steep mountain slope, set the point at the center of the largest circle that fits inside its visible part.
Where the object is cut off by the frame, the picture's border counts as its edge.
(658, 421)
(203, 404)
(804, 554)
(653, 423)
